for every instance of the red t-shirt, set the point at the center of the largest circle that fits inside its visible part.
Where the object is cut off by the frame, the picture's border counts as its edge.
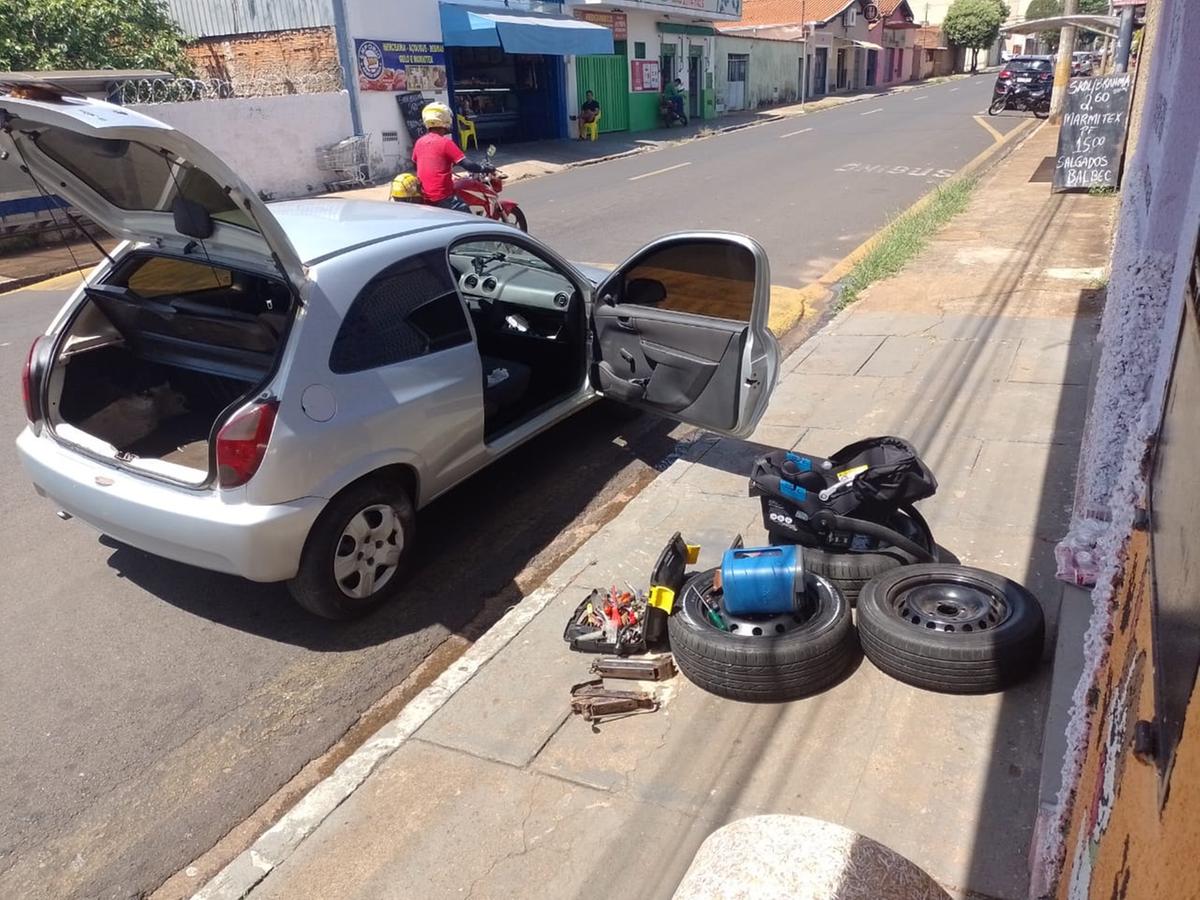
(435, 155)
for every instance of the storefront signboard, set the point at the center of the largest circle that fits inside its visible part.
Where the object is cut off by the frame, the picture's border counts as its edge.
(646, 75)
(617, 22)
(400, 65)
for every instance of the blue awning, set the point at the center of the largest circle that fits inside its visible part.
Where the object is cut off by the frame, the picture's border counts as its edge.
(517, 31)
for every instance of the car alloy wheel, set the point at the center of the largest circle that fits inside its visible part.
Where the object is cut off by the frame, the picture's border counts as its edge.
(368, 552)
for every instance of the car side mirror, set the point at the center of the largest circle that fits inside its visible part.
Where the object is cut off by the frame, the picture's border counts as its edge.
(645, 291)
(191, 219)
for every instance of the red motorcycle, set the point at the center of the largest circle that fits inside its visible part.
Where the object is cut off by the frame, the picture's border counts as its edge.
(480, 192)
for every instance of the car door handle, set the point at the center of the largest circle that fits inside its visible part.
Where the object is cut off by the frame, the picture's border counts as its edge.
(626, 323)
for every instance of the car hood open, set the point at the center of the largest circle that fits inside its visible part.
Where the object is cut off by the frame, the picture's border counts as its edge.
(139, 178)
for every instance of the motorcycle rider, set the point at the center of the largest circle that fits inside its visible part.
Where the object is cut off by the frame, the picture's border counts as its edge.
(436, 154)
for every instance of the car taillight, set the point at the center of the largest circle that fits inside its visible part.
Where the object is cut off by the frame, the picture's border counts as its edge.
(28, 391)
(1005, 74)
(242, 443)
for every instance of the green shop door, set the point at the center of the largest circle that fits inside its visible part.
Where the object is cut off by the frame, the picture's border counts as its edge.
(608, 78)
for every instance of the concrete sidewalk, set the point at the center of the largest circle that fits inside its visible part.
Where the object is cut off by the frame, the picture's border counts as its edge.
(980, 353)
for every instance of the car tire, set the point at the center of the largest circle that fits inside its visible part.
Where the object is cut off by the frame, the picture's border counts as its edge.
(950, 629)
(850, 570)
(370, 516)
(805, 659)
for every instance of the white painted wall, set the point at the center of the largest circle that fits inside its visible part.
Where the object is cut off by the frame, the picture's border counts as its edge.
(271, 142)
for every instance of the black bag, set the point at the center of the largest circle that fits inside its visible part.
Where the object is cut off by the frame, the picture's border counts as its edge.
(875, 480)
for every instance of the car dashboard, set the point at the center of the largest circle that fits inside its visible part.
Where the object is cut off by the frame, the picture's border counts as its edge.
(515, 298)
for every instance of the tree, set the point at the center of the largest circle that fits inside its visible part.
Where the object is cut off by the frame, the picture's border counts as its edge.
(1045, 9)
(89, 34)
(974, 24)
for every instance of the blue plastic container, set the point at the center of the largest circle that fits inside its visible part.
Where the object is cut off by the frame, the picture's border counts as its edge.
(762, 581)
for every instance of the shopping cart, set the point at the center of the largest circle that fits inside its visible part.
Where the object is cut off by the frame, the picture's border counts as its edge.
(348, 159)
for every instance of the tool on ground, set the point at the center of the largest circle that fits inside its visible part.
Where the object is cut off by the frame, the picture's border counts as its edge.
(647, 668)
(593, 701)
(609, 621)
(760, 581)
(666, 580)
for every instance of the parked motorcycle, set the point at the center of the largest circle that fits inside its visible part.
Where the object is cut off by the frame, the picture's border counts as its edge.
(479, 191)
(1022, 98)
(669, 114)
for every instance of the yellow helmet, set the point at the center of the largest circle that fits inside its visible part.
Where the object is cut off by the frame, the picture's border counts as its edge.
(406, 186)
(436, 115)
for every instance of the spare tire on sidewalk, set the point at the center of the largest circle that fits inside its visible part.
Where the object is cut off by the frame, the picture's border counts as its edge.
(762, 658)
(952, 629)
(850, 569)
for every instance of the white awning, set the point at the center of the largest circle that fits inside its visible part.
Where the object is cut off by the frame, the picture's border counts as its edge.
(867, 45)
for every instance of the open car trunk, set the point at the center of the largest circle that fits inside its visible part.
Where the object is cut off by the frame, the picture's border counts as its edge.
(158, 356)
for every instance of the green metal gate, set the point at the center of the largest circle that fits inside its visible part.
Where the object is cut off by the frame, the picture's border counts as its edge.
(608, 78)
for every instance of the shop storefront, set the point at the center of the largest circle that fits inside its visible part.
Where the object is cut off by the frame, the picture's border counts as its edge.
(663, 40)
(507, 70)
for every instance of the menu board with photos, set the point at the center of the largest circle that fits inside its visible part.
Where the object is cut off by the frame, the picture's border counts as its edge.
(1091, 140)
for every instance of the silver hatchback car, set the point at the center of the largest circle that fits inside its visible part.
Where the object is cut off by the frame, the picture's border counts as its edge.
(273, 391)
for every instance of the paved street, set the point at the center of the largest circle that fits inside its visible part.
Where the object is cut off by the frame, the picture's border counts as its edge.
(810, 188)
(148, 707)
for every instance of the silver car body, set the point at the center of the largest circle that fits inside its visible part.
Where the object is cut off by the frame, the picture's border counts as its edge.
(424, 414)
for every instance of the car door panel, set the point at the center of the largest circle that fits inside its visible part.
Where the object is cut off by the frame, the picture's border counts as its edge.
(661, 341)
(665, 362)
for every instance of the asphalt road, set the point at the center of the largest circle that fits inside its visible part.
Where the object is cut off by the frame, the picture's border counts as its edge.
(146, 708)
(809, 188)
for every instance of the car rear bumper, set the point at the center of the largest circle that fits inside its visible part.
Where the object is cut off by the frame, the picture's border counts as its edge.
(210, 529)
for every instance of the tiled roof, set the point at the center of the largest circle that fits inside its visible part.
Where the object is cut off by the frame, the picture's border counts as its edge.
(789, 12)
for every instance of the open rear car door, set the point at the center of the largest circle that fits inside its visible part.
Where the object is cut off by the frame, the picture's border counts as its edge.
(140, 179)
(681, 329)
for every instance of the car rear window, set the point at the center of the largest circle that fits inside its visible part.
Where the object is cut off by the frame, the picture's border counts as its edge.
(134, 176)
(1029, 65)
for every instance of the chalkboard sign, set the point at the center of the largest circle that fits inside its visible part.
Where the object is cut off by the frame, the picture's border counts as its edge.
(1092, 137)
(411, 105)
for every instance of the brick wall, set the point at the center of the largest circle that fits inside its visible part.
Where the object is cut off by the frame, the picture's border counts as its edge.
(301, 61)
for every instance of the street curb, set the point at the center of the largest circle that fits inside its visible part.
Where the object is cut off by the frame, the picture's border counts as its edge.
(277, 843)
(15, 284)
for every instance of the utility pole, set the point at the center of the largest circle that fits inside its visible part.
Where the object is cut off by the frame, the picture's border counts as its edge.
(1062, 72)
(1124, 41)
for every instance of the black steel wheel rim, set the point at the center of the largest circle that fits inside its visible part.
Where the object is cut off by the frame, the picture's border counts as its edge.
(705, 600)
(951, 604)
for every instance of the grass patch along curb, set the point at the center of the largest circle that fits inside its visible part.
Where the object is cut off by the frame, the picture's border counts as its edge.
(906, 236)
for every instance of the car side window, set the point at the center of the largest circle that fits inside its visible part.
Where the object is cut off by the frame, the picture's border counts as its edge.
(408, 310)
(706, 278)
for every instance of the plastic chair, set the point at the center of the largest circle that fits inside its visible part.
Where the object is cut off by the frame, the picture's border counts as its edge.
(466, 132)
(589, 131)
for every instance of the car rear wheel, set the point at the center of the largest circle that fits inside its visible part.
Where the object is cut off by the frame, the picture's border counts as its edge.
(357, 552)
